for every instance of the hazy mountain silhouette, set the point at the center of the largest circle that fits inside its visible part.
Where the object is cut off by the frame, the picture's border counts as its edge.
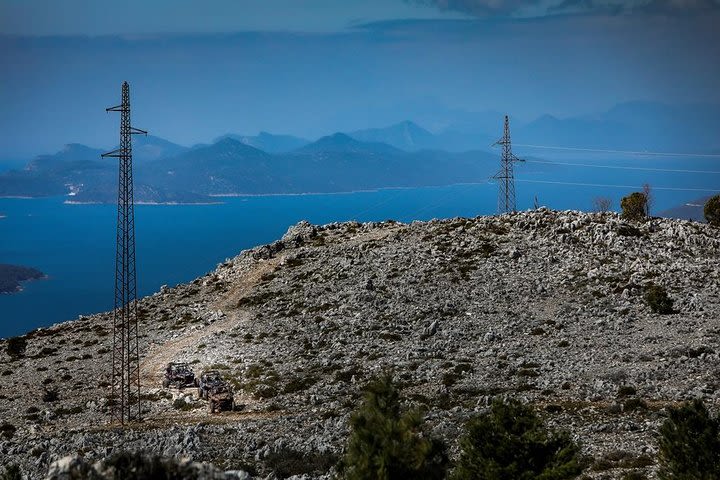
(632, 125)
(269, 142)
(56, 174)
(404, 135)
(340, 142)
(149, 148)
(400, 155)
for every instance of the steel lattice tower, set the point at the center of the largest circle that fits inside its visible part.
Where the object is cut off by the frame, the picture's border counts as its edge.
(506, 190)
(125, 399)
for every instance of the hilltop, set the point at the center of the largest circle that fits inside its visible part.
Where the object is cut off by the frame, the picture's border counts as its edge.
(544, 306)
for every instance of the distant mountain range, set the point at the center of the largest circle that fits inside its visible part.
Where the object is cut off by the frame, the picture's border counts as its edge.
(634, 125)
(269, 142)
(168, 173)
(400, 155)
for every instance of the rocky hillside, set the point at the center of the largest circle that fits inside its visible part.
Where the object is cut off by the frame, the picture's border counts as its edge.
(543, 306)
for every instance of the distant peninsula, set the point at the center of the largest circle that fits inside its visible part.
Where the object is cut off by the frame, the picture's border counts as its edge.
(12, 275)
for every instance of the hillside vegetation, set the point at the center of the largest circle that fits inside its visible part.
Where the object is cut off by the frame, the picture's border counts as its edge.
(548, 308)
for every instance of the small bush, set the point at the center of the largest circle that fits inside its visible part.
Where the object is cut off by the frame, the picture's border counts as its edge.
(50, 396)
(181, 404)
(602, 204)
(287, 462)
(137, 466)
(46, 351)
(387, 443)
(632, 404)
(16, 346)
(11, 472)
(7, 430)
(510, 442)
(298, 384)
(634, 206)
(658, 300)
(689, 444)
(626, 391)
(634, 476)
(712, 211)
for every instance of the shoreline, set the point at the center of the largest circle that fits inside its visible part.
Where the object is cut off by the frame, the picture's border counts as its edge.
(20, 287)
(70, 202)
(254, 195)
(346, 192)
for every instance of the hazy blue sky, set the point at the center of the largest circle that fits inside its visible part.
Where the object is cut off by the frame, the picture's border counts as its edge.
(201, 69)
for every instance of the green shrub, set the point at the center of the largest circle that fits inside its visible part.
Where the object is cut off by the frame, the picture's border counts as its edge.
(712, 211)
(633, 404)
(11, 472)
(136, 466)
(7, 430)
(510, 442)
(626, 391)
(386, 443)
(16, 346)
(690, 444)
(50, 396)
(634, 475)
(181, 404)
(634, 206)
(658, 300)
(287, 462)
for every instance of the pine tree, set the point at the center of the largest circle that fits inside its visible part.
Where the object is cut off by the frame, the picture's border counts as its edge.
(690, 444)
(388, 444)
(511, 443)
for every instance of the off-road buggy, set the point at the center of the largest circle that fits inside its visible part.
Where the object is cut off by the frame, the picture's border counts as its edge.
(220, 398)
(178, 375)
(207, 380)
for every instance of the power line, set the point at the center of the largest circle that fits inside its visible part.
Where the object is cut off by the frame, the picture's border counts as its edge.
(624, 152)
(620, 167)
(578, 184)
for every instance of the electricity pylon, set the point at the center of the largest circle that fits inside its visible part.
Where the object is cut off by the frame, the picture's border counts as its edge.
(506, 186)
(125, 399)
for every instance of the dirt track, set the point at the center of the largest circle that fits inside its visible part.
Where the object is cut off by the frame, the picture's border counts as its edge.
(152, 366)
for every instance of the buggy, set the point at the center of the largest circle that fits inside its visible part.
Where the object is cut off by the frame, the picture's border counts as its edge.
(178, 375)
(220, 398)
(207, 380)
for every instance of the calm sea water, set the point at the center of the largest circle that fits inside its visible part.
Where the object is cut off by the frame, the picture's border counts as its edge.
(74, 244)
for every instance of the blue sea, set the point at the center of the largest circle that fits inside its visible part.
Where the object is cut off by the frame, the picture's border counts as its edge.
(74, 244)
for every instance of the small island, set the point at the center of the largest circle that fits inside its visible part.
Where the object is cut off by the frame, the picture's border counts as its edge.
(12, 275)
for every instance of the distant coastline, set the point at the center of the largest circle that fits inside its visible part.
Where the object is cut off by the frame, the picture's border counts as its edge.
(12, 276)
(71, 202)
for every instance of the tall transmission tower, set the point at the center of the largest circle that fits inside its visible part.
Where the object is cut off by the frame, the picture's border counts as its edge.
(125, 400)
(506, 190)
